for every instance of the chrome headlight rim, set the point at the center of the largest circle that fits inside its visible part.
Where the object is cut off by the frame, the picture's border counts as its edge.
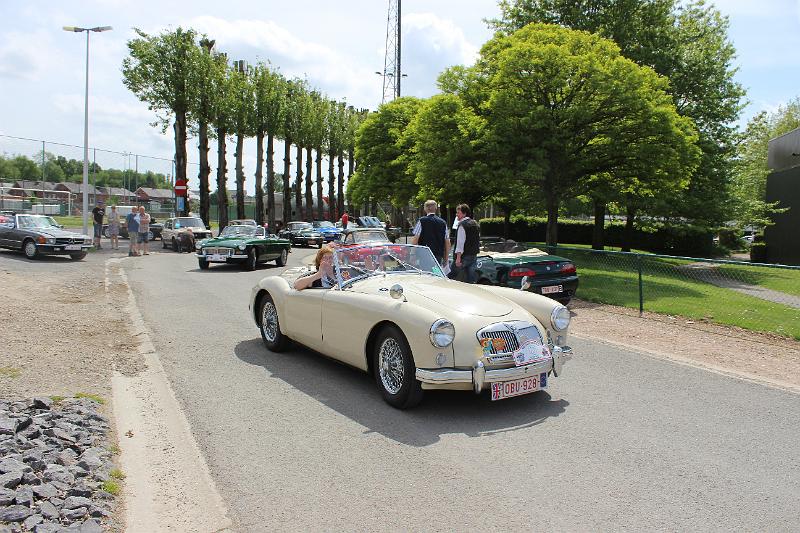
(560, 318)
(442, 333)
(242, 247)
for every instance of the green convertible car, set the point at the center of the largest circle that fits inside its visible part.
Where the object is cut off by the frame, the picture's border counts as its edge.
(545, 274)
(245, 245)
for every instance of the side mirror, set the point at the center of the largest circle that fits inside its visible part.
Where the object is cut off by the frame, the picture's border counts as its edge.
(208, 226)
(525, 284)
(396, 292)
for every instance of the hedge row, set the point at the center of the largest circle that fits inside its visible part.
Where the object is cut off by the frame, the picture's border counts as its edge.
(684, 240)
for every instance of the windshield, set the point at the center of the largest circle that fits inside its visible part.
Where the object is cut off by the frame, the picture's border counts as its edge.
(360, 262)
(30, 221)
(189, 222)
(369, 236)
(323, 224)
(243, 222)
(299, 226)
(242, 231)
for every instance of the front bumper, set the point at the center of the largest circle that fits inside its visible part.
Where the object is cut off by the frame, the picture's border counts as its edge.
(235, 258)
(479, 376)
(61, 249)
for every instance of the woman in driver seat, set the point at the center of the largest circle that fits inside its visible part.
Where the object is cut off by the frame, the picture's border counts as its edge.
(324, 277)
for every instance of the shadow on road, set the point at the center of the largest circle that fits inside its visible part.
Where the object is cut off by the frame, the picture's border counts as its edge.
(353, 394)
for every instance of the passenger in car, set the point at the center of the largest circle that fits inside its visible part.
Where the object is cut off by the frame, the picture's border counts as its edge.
(324, 277)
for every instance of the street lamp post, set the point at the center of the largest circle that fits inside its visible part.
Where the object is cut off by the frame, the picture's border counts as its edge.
(86, 123)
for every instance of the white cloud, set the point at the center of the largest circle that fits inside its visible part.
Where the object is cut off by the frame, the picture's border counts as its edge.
(440, 37)
(27, 56)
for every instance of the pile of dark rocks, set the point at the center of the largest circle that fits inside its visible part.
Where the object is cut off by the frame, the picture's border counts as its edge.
(53, 466)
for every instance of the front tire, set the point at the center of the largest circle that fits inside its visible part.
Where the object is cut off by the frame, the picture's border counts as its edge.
(78, 256)
(175, 247)
(281, 261)
(270, 327)
(30, 249)
(395, 372)
(106, 233)
(203, 264)
(252, 260)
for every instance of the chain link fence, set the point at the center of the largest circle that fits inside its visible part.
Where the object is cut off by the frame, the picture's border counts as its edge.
(753, 296)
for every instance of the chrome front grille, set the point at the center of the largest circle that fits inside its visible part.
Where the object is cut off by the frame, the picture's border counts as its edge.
(218, 251)
(513, 333)
(509, 337)
(68, 240)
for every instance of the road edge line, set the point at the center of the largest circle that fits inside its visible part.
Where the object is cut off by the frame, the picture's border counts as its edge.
(168, 485)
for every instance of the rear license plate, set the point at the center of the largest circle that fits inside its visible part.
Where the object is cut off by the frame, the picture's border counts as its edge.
(72, 247)
(552, 289)
(216, 258)
(518, 387)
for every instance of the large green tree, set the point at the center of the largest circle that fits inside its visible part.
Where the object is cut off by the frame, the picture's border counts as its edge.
(568, 105)
(269, 106)
(202, 109)
(382, 152)
(684, 41)
(158, 70)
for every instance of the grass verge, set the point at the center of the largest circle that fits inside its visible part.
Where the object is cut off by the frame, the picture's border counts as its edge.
(95, 397)
(111, 486)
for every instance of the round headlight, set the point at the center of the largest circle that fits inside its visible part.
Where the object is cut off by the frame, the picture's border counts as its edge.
(442, 333)
(242, 246)
(560, 318)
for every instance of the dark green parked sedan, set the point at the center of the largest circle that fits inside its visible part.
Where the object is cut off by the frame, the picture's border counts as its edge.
(246, 245)
(548, 275)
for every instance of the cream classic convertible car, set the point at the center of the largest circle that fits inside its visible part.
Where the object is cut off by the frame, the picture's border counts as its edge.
(414, 329)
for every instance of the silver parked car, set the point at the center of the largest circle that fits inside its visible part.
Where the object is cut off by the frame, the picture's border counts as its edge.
(37, 235)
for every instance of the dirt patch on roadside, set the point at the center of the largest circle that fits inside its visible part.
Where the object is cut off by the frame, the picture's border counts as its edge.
(63, 334)
(760, 357)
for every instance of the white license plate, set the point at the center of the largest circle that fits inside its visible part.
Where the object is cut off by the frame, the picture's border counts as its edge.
(518, 387)
(72, 247)
(552, 288)
(216, 258)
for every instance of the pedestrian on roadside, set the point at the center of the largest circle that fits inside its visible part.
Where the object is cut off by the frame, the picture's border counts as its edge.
(144, 230)
(97, 215)
(468, 242)
(132, 221)
(113, 227)
(431, 231)
(345, 220)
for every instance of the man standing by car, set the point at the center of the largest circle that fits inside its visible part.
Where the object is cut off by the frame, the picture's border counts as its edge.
(431, 231)
(468, 242)
(132, 221)
(97, 215)
(144, 229)
(345, 219)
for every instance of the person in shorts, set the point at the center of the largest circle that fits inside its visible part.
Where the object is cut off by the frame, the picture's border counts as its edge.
(113, 227)
(97, 216)
(132, 221)
(144, 229)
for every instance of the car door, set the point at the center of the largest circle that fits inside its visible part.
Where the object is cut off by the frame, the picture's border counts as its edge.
(347, 319)
(16, 235)
(303, 316)
(166, 234)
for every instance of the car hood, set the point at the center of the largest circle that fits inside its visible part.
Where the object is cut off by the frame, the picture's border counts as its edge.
(60, 233)
(231, 242)
(439, 294)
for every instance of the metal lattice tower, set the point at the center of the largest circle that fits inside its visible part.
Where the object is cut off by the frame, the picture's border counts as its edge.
(391, 61)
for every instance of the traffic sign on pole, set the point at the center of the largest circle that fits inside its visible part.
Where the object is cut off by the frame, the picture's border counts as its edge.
(181, 188)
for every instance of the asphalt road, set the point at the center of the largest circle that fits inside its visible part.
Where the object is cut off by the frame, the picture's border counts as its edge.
(621, 441)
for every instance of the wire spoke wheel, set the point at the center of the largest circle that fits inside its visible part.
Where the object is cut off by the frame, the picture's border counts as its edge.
(269, 322)
(390, 365)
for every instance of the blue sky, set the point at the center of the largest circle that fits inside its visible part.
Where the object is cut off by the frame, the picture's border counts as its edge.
(337, 46)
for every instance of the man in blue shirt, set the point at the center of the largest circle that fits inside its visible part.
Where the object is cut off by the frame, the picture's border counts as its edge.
(132, 221)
